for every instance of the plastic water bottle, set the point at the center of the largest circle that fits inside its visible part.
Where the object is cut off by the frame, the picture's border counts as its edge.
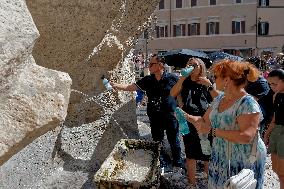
(205, 144)
(106, 83)
(183, 127)
(186, 71)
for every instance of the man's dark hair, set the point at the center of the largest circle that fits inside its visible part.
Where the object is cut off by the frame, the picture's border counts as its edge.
(277, 73)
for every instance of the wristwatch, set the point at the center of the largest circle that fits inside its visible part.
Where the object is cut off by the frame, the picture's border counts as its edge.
(210, 88)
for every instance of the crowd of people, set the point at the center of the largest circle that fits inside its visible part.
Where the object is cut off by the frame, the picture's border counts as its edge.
(234, 103)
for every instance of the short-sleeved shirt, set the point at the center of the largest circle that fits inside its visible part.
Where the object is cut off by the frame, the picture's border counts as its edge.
(158, 92)
(259, 88)
(279, 108)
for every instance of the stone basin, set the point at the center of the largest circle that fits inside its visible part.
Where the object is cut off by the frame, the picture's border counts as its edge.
(132, 164)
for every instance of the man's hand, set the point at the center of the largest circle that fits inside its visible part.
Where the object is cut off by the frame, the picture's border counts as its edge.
(114, 85)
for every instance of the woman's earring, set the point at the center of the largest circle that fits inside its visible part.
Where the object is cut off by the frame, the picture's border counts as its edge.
(225, 86)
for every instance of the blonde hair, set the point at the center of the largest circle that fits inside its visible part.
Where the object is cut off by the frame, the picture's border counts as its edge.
(239, 72)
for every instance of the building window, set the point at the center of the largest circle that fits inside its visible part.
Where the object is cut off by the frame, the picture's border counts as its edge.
(178, 3)
(161, 31)
(162, 4)
(263, 3)
(238, 27)
(193, 3)
(263, 28)
(212, 2)
(212, 28)
(194, 29)
(238, 1)
(179, 30)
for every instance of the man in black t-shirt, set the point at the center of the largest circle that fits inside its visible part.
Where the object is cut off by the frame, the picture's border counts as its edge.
(160, 106)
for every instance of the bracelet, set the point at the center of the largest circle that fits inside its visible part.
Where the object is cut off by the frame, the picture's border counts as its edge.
(213, 132)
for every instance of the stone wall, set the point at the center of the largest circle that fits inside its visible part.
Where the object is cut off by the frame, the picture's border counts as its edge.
(33, 99)
(86, 39)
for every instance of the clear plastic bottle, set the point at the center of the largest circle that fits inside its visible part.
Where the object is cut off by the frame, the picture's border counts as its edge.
(186, 71)
(183, 127)
(106, 83)
(205, 144)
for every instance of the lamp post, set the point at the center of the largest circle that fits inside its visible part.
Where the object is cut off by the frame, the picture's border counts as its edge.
(256, 31)
(170, 19)
(146, 35)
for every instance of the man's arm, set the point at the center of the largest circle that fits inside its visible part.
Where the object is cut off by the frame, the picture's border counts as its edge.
(124, 87)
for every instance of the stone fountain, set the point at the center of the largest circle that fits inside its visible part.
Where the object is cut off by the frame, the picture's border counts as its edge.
(54, 135)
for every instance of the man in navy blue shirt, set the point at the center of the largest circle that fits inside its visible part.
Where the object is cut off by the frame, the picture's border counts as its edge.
(160, 106)
(260, 90)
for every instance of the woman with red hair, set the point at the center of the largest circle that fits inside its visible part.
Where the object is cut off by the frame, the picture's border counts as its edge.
(232, 119)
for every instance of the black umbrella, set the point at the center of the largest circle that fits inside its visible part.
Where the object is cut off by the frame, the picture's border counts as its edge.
(215, 56)
(179, 58)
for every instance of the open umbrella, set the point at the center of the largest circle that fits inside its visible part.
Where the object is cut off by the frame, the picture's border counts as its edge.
(215, 56)
(179, 57)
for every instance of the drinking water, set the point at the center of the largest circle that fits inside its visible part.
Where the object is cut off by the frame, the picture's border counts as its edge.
(106, 83)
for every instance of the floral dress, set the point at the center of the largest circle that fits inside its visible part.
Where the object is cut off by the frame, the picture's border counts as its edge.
(218, 165)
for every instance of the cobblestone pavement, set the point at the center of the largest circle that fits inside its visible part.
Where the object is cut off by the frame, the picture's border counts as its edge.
(179, 180)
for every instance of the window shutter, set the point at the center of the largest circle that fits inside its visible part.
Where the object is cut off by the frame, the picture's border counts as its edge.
(166, 30)
(162, 34)
(217, 28)
(243, 25)
(188, 30)
(178, 3)
(259, 3)
(183, 29)
(259, 30)
(174, 30)
(198, 28)
(266, 28)
(207, 28)
(157, 31)
(267, 2)
(233, 27)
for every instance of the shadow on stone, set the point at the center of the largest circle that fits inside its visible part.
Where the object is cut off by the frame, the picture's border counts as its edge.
(112, 133)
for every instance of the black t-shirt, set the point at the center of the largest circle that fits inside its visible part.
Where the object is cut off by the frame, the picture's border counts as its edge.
(196, 98)
(279, 109)
(158, 92)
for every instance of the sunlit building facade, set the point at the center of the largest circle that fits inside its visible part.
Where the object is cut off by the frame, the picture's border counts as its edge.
(239, 27)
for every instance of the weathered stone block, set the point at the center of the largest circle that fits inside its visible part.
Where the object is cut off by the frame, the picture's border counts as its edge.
(33, 99)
